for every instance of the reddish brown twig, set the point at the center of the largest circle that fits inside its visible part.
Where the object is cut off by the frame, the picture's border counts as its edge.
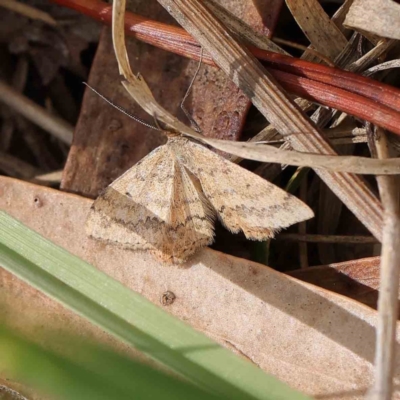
(359, 96)
(340, 99)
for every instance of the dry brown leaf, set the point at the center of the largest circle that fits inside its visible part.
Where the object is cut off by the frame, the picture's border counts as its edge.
(380, 17)
(355, 279)
(316, 341)
(364, 271)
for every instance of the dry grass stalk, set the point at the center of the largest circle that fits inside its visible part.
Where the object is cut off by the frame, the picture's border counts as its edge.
(368, 58)
(357, 165)
(28, 11)
(303, 248)
(18, 82)
(243, 30)
(334, 140)
(345, 239)
(53, 177)
(382, 67)
(320, 30)
(312, 52)
(38, 115)
(17, 168)
(247, 34)
(385, 352)
(273, 103)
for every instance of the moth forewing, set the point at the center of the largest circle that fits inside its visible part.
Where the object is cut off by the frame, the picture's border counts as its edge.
(155, 206)
(242, 200)
(119, 214)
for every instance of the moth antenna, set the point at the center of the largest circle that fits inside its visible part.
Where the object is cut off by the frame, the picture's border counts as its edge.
(119, 108)
(188, 116)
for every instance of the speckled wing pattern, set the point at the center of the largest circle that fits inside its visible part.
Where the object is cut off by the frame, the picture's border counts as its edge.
(242, 200)
(156, 207)
(166, 203)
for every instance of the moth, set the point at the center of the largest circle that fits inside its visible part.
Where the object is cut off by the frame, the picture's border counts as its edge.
(167, 203)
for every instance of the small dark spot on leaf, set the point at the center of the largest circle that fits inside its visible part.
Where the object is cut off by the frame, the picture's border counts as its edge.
(38, 203)
(167, 298)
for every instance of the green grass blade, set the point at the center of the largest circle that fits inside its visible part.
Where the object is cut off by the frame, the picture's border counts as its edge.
(95, 373)
(129, 316)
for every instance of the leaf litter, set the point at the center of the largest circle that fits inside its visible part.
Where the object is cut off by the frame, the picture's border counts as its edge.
(374, 54)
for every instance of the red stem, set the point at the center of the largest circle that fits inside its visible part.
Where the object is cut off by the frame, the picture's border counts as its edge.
(348, 102)
(354, 94)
